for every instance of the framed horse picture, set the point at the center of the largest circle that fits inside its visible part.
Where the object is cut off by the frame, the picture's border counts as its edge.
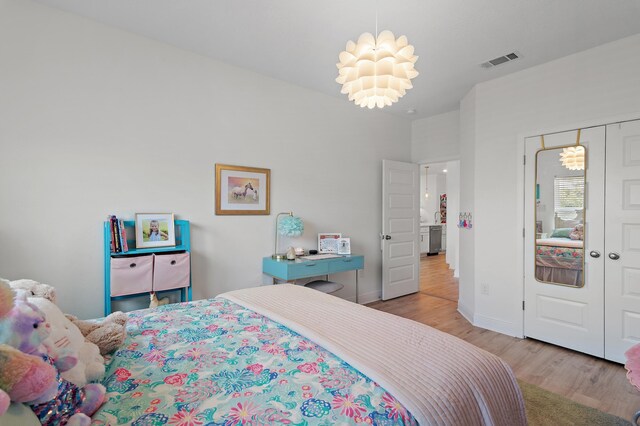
(242, 190)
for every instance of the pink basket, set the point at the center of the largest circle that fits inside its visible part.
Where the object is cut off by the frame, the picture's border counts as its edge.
(130, 275)
(171, 271)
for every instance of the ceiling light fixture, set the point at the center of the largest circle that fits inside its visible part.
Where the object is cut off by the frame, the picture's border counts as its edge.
(573, 157)
(376, 72)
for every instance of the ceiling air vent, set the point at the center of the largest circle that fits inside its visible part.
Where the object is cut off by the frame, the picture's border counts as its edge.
(500, 60)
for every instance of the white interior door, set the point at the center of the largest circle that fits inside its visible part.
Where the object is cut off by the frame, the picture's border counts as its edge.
(400, 229)
(560, 306)
(622, 252)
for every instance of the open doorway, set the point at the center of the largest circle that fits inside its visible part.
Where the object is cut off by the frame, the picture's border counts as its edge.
(439, 212)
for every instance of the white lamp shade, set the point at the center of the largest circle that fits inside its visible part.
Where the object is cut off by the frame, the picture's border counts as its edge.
(573, 157)
(375, 73)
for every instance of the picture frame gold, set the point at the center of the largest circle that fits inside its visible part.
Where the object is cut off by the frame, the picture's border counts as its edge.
(242, 190)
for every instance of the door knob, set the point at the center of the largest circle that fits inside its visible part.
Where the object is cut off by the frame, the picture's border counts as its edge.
(614, 256)
(594, 253)
(387, 237)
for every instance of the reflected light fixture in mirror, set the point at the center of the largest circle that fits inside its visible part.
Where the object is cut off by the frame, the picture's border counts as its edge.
(573, 157)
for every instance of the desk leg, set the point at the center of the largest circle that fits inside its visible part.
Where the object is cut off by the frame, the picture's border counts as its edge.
(356, 286)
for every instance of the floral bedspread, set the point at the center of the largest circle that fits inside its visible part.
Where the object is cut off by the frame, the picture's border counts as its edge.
(559, 257)
(213, 362)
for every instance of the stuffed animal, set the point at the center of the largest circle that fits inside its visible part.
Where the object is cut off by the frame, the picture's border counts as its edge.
(23, 378)
(66, 339)
(26, 378)
(27, 330)
(35, 289)
(6, 298)
(577, 233)
(5, 400)
(154, 302)
(108, 333)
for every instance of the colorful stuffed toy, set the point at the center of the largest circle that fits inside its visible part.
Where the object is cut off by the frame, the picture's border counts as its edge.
(107, 334)
(25, 328)
(5, 400)
(26, 378)
(23, 378)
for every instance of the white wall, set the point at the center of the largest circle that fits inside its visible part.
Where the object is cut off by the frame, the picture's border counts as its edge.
(436, 138)
(453, 210)
(95, 120)
(587, 87)
(466, 254)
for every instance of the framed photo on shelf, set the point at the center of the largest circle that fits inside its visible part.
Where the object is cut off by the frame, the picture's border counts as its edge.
(242, 190)
(328, 242)
(344, 245)
(155, 230)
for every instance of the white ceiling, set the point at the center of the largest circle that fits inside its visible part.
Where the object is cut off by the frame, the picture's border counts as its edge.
(299, 40)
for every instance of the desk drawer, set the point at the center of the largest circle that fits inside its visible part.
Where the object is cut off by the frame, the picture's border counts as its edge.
(346, 264)
(307, 269)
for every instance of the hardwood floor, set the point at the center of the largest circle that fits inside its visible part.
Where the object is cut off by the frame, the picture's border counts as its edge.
(436, 279)
(590, 381)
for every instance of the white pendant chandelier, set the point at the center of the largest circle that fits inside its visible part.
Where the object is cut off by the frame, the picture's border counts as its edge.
(573, 157)
(377, 72)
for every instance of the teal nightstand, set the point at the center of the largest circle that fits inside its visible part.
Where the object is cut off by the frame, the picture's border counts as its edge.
(289, 270)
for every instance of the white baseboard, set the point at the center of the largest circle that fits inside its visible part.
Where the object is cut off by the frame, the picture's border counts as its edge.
(465, 312)
(372, 296)
(498, 325)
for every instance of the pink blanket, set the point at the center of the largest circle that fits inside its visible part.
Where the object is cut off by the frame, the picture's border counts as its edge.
(439, 378)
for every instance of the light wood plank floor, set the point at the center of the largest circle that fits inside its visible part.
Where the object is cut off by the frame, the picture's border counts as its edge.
(590, 381)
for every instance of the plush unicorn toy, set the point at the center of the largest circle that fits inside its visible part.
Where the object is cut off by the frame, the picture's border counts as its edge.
(25, 328)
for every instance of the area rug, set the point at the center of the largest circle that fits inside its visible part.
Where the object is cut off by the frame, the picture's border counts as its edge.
(546, 408)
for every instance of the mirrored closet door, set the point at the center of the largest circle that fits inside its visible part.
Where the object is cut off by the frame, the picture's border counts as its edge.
(564, 196)
(582, 239)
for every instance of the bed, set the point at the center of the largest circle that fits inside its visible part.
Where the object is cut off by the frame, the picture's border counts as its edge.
(286, 354)
(560, 260)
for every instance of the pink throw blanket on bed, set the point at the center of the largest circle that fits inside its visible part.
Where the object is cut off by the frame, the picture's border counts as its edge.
(439, 378)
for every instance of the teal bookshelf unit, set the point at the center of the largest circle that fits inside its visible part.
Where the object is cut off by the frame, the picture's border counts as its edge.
(138, 264)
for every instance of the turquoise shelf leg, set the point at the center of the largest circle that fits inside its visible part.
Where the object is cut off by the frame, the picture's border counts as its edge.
(107, 268)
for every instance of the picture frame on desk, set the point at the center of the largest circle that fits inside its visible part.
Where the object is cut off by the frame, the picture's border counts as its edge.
(242, 190)
(328, 242)
(155, 230)
(344, 245)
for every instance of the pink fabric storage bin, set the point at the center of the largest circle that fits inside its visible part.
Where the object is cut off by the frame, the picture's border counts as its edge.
(171, 271)
(130, 275)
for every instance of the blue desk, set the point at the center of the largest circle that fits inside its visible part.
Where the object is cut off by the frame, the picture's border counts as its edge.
(302, 268)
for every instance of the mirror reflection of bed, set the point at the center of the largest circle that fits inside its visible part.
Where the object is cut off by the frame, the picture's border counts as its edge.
(559, 219)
